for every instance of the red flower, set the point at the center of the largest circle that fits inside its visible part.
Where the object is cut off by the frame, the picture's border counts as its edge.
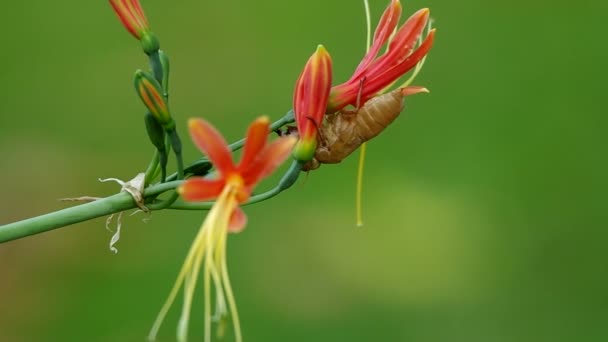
(310, 101)
(259, 160)
(374, 74)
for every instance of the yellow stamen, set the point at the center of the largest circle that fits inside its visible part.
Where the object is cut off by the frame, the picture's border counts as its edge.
(209, 244)
(229, 294)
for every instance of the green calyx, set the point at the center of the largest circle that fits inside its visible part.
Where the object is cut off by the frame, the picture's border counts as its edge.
(304, 150)
(149, 43)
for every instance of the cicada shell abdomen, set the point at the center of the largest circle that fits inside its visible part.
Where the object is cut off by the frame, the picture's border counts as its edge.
(342, 133)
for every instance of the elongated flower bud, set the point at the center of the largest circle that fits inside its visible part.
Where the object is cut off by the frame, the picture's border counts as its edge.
(150, 92)
(310, 101)
(134, 20)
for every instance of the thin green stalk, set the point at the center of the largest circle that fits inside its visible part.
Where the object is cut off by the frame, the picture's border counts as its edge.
(157, 66)
(152, 168)
(83, 212)
(177, 149)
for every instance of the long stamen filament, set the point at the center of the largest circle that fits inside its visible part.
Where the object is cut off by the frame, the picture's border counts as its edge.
(186, 267)
(189, 286)
(209, 244)
(229, 294)
(368, 23)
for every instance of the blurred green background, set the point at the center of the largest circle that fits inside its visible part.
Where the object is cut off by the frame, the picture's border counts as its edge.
(485, 203)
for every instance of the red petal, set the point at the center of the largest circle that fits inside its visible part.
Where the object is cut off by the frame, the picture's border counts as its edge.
(201, 189)
(411, 90)
(139, 13)
(238, 221)
(255, 141)
(125, 17)
(388, 76)
(271, 157)
(385, 28)
(312, 92)
(408, 34)
(401, 46)
(212, 144)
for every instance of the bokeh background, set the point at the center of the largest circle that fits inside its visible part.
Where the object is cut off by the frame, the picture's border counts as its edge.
(486, 203)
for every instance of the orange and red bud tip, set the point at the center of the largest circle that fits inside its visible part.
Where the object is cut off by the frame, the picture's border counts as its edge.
(134, 20)
(375, 74)
(150, 92)
(310, 101)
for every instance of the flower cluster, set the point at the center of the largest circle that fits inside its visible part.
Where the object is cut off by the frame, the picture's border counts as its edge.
(376, 73)
(232, 184)
(314, 95)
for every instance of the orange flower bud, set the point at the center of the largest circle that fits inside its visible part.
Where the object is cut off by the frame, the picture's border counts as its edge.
(310, 101)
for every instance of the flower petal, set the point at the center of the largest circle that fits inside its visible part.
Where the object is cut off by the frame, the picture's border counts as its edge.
(255, 141)
(411, 90)
(269, 159)
(212, 144)
(388, 22)
(201, 189)
(408, 34)
(312, 92)
(380, 81)
(131, 15)
(402, 45)
(238, 221)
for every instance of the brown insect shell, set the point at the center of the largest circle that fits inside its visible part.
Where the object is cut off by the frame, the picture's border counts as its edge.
(343, 132)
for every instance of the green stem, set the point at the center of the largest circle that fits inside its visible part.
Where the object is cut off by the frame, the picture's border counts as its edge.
(177, 149)
(152, 167)
(123, 201)
(83, 212)
(157, 66)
